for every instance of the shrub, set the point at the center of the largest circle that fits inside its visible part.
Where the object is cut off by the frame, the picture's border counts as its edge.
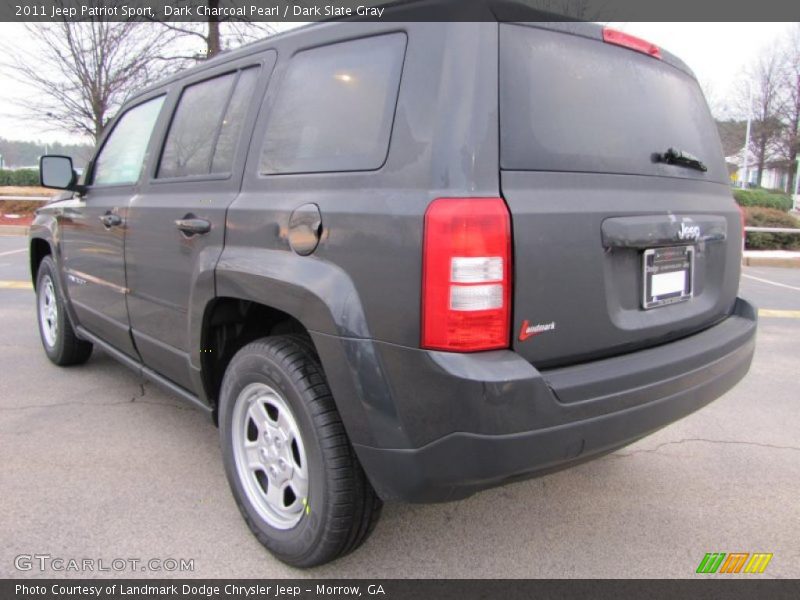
(21, 177)
(763, 198)
(756, 216)
(25, 177)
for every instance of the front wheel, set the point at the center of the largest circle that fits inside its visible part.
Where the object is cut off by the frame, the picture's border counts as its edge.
(59, 340)
(290, 465)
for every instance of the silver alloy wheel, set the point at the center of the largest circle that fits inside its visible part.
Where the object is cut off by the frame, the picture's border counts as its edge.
(269, 455)
(48, 311)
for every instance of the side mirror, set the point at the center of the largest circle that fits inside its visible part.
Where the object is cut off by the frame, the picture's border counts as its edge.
(57, 172)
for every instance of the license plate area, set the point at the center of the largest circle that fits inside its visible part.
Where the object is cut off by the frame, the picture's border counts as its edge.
(668, 275)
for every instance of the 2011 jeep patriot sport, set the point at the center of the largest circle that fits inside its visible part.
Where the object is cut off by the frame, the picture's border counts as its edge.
(405, 260)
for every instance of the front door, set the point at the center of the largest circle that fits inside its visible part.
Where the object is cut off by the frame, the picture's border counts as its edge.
(93, 228)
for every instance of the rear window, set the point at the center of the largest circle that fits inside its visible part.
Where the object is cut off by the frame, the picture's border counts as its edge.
(335, 108)
(569, 103)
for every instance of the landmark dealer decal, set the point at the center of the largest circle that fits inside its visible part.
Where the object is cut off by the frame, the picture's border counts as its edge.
(528, 331)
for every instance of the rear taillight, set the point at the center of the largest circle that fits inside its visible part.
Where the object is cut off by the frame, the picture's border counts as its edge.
(618, 38)
(466, 275)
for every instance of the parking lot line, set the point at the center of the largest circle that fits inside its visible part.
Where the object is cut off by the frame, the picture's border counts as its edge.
(16, 285)
(783, 285)
(780, 314)
(13, 252)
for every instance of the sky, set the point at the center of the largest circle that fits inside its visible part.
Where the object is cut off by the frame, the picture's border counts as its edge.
(718, 53)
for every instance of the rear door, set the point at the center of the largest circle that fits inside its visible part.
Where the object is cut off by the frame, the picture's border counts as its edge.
(176, 225)
(93, 227)
(617, 243)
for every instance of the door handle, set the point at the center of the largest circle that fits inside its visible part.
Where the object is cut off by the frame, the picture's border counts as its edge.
(191, 225)
(110, 220)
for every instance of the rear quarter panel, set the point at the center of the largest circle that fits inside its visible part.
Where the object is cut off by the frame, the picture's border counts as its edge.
(443, 142)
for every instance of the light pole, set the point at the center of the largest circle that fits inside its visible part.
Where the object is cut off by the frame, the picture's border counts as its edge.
(797, 186)
(797, 173)
(747, 134)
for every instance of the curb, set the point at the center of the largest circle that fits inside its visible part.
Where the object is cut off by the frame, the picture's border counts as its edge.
(771, 258)
(771, 261)
(14, 230)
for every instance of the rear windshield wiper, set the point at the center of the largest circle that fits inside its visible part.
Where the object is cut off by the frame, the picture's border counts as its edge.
(681, 159)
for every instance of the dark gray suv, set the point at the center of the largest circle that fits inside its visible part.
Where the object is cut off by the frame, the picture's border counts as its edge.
(405, 261)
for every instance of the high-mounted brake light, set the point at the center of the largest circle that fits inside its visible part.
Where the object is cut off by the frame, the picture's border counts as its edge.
(466, 275)
(612, 36)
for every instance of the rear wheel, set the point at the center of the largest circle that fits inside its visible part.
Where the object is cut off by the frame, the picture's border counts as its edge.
(290, 465)
(59, 340)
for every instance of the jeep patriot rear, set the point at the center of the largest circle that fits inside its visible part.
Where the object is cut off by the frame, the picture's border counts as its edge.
(405, 261)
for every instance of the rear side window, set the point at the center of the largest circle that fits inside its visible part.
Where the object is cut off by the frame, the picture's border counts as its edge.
(120, 160)
(335, 108)
(206, 126)
(231, 125)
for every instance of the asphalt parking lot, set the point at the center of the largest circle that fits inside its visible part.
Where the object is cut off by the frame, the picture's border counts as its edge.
(99, 464)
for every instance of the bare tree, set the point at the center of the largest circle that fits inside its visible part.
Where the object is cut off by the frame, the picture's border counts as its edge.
(222, 30)
(790, 84)
(81, 73)
(765, 77)
(715, 102)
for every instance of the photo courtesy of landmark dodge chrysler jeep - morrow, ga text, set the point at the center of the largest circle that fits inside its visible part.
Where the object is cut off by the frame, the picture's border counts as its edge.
(405, 261)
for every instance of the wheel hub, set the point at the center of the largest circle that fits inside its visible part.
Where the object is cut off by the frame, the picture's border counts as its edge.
(275, 454)
(270, 456)
(48, 311)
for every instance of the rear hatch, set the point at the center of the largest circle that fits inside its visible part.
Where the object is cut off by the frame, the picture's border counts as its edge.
(618, 243)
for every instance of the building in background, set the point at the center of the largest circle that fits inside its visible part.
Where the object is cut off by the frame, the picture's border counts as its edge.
(777, 171)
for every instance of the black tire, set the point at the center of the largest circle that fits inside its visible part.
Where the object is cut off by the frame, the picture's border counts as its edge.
(61, 344)
(342, 507)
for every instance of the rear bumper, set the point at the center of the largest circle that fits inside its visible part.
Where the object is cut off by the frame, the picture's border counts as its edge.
(509, 421)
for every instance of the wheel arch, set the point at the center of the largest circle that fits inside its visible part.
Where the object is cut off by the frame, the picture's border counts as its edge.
(266, 292)
(230, 323)
(38, 249)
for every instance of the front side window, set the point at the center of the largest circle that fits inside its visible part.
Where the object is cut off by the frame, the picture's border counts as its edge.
(335, 108)
(205, 129)
(121, 159)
